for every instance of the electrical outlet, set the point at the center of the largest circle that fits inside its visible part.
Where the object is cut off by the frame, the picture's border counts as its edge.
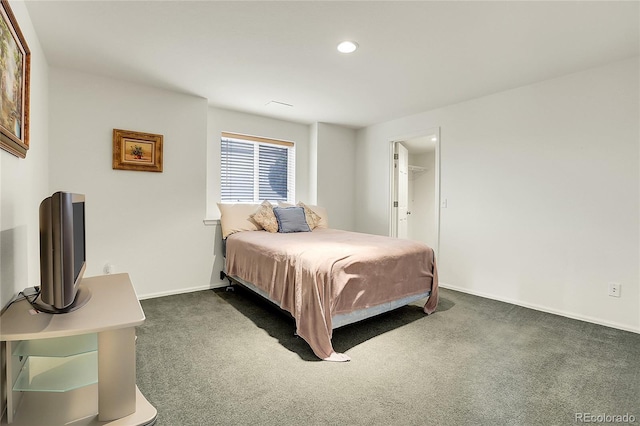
(108, 268)
(614, 289)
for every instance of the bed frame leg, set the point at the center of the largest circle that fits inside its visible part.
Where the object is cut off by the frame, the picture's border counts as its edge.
(229, 287)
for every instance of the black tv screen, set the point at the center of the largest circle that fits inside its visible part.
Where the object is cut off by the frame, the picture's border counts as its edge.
(79, 254)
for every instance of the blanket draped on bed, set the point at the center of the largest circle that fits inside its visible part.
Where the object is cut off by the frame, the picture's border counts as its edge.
(316, 275)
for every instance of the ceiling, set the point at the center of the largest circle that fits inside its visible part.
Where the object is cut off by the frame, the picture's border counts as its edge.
(422, 144)
(413, 57)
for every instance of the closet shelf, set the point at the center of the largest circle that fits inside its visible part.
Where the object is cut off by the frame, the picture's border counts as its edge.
(416, 171)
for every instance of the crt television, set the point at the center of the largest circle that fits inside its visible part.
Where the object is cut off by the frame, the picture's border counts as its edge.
(62, 252)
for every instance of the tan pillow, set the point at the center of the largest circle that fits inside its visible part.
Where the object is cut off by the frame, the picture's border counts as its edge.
(321, 212)
(265, 217)
(237, 217)
(312, 218)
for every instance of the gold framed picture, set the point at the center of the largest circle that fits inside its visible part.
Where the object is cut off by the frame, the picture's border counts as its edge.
(137, 151)
(15, 64)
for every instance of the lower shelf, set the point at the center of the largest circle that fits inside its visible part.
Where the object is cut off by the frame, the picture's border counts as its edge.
(49, 374)
(38, 408)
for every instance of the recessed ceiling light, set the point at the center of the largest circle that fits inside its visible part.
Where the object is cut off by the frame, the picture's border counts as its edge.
(434, 139)
(347, 47)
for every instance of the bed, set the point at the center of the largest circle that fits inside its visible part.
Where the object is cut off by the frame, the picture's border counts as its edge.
(325, 278)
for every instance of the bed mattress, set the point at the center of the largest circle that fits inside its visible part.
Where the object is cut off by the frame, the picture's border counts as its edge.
(327, 273)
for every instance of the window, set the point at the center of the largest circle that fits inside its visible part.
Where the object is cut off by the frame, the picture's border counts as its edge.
(254, 169)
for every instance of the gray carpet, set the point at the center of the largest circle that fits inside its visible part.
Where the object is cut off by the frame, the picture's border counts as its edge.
(229, 358)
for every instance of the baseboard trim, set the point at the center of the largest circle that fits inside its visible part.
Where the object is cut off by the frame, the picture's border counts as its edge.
(542, 308)
(443, 285)
(180, 291)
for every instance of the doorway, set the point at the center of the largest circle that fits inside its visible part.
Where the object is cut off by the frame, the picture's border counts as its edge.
(415, 189)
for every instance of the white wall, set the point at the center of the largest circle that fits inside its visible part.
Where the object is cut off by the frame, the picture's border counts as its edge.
(422, 202)
(24, 182)
(313, 163)
(542, 184)
(336, 155)
(147, 224)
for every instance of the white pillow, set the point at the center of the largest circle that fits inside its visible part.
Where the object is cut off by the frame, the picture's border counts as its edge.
(237, 217)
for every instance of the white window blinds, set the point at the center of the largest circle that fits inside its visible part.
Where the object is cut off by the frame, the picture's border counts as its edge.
(254, 169)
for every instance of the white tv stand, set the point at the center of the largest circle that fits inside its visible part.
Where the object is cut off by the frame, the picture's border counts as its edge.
(51, 361)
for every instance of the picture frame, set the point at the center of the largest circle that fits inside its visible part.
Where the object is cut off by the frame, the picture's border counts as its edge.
(15, 62)
(137, 151)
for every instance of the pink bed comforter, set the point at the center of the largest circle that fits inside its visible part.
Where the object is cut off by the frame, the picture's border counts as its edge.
(316, 275)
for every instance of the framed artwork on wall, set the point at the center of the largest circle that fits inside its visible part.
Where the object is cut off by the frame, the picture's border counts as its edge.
(15, 63)
(137, 151)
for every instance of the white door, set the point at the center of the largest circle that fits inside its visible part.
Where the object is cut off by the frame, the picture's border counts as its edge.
(402, 180)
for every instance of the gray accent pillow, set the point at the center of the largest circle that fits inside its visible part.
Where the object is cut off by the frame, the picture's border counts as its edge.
(291, 219)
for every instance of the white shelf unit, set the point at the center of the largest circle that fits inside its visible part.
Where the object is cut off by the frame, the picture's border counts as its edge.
(76, 368)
